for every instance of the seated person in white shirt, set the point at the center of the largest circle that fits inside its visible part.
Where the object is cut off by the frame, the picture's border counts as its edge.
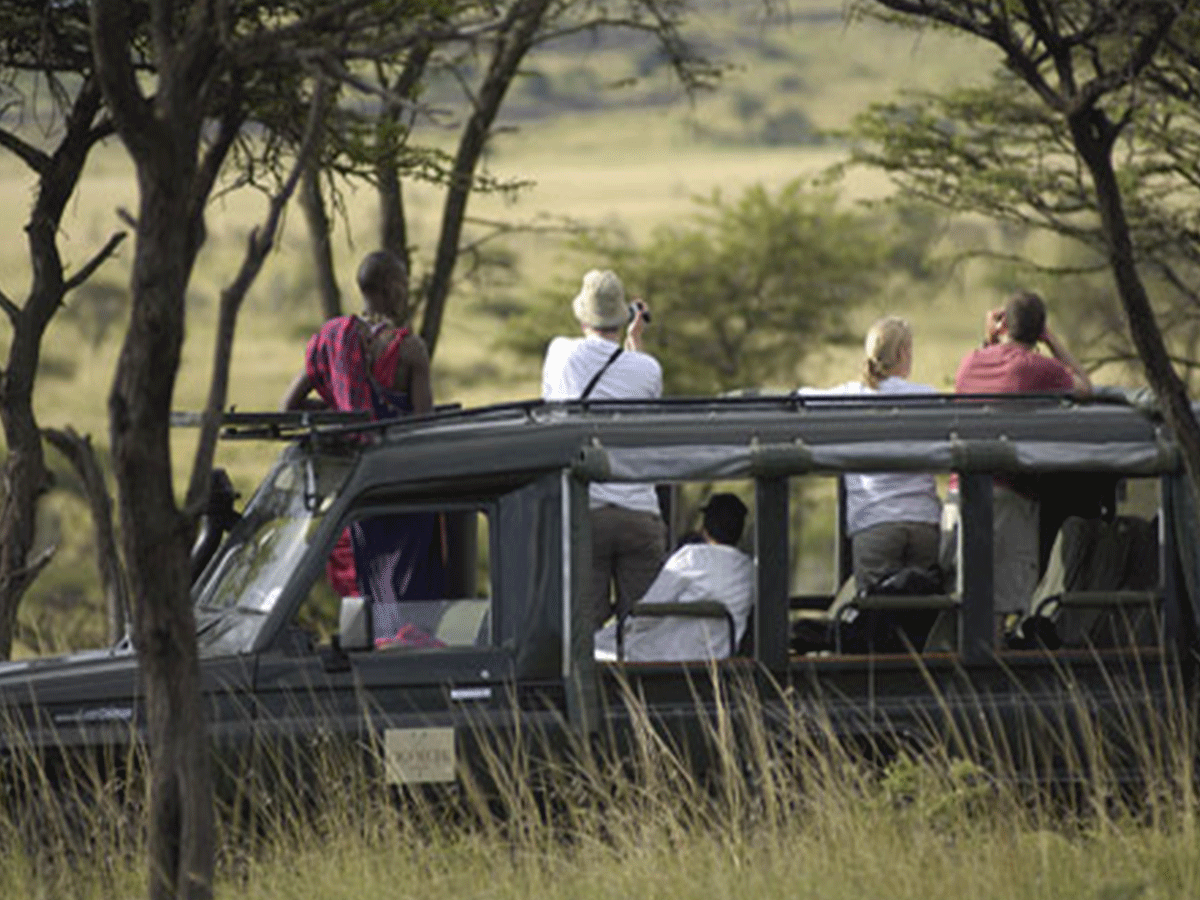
(711, 569)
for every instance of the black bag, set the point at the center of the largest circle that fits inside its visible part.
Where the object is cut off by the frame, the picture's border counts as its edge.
(891, 630)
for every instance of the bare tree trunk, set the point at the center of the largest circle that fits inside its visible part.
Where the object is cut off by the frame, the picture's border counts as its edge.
(24, 472)
(163, 138)
(157, 537)
(79, 452)
(390, 137)
(393, 225)
(1094, 137)
(313, 204)
(518, 32)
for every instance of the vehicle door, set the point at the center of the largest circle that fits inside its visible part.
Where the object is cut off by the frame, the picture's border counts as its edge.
(459, 593)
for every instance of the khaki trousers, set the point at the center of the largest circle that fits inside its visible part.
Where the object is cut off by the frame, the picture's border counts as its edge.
(1014, 547)
(885, 548)
(627, 551)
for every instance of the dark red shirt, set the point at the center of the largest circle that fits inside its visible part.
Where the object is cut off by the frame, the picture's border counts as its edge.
(1011, 368)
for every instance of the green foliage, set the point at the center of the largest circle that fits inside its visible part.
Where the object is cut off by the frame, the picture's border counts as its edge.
(745, 290)
(1006, 148)
(942, 796)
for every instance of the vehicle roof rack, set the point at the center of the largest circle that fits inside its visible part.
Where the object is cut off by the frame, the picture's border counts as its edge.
(296, 424)
(284, 426)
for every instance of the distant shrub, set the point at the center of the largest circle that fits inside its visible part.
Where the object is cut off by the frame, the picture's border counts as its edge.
(792, 126)
(790, 83)
(536, 86)
(653, 60)
(747, 106)
(580, 85)
(55, 366)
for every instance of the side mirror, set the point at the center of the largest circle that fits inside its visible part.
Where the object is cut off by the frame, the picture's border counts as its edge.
(354, 624)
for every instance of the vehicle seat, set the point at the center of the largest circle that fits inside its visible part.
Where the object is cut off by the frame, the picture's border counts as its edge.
(812, 632)
(895, 616)
(1100, 587)
(464, 623)
(745, 647)
(693, 609)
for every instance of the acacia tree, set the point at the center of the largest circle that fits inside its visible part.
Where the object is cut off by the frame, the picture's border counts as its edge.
(746, 288)
(484, 63)
(1090, 130)
(38, 48)
(208, 63)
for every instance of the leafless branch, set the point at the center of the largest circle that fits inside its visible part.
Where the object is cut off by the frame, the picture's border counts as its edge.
(85, 272)
(81, 455)
(229, 125)
(259, 244)
(333, 68)
(10, 309)
(30, 155)
(28, 574)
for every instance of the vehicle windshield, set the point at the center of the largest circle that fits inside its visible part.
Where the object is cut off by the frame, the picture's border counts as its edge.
(246, 577)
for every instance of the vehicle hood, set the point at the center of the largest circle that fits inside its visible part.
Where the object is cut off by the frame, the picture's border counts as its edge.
(81, 677)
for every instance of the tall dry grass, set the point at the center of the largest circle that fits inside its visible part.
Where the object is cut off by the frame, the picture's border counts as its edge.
(786, 810)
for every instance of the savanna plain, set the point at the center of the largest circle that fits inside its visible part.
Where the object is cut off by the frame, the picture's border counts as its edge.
(827, 827)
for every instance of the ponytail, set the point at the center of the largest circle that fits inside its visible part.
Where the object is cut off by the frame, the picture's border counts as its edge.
(884, 347)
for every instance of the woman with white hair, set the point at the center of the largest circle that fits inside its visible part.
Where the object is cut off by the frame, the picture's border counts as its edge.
(892, 518)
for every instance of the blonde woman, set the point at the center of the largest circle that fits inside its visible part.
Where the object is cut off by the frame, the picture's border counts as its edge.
(892, 518)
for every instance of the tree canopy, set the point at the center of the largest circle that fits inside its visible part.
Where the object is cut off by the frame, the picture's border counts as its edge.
(455, 80)
(1088, 129)
(743, 291)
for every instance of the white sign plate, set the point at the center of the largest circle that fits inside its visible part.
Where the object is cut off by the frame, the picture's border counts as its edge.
(418, 755)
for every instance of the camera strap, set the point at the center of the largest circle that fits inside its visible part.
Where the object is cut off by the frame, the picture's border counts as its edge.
(591, 384)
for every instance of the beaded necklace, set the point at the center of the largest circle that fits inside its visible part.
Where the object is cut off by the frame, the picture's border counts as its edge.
(377, 320)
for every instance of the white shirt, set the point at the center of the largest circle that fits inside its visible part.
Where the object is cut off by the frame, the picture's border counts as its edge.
(570, 364)
(872, 499)
(693, 572)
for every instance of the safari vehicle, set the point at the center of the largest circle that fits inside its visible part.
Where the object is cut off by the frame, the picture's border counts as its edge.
(507, 646)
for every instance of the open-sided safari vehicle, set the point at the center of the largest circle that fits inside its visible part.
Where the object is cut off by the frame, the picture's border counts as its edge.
(506, 647)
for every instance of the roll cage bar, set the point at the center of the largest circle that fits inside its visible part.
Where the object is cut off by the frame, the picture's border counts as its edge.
(318, 424)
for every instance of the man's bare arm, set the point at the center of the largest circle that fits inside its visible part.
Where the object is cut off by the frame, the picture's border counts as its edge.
(633, 336)
(1083, 384)
(296, 396)
(414, 360)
